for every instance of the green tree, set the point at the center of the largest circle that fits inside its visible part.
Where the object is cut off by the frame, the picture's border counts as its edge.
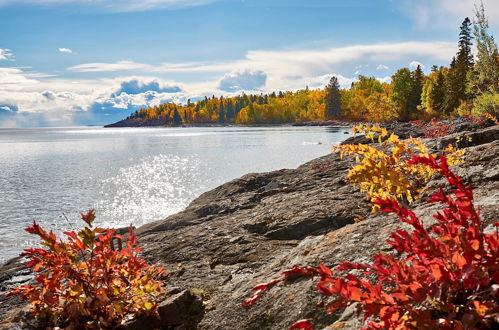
(333, 105)
(417, 88)
(460, 69)
(438, 93)
(485, 77)
(176, 117)
(464, 60)
(221, 112)
(452, 88)
(402, 89)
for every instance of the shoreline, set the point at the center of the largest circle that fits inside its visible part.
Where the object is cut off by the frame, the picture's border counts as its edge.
(328, 123)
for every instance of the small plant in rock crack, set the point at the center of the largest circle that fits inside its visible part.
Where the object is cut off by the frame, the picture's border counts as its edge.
(84, 283)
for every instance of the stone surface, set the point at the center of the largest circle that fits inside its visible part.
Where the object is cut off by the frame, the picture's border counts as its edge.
(180, 310)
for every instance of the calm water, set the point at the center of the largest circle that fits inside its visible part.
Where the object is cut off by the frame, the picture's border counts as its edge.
(132, 175)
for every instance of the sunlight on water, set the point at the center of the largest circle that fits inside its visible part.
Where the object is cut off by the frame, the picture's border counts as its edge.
(132, 175)
(157, 187)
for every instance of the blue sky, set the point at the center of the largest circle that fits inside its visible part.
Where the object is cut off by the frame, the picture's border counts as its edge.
(74, 62)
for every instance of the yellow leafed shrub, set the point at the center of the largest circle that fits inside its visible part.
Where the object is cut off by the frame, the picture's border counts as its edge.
(383, 172)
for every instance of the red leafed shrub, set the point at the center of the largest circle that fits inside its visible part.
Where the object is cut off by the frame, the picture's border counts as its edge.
(84, 283)
(476, 120)
(434, 128)
(446, 278)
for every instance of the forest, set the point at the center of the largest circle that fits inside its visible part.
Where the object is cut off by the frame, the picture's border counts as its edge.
(469, 85)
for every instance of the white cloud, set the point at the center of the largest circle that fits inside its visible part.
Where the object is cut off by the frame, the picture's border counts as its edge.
(414, 64)
(243, 80)
(446, 13)
(382, 67)
(14, 77)
(65, 50)
(5, 54)
(300, 62)
(117, 66)
(116, 6)
(386, 79)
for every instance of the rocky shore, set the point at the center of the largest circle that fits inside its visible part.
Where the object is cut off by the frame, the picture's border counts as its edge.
(250, 229)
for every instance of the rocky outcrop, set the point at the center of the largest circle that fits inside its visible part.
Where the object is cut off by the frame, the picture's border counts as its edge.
(250, 229)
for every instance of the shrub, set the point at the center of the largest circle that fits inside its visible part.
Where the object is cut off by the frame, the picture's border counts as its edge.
(487, 102)
(446, 278)
(434, 128)
(385, 172)
(84, 283)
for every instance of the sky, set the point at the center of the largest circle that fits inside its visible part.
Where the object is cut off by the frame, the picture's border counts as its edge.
(93, 62)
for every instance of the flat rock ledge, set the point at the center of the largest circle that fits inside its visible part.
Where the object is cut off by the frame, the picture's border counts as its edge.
(248, 230)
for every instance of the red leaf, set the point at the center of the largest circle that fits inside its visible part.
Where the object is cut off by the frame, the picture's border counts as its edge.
(306, 324)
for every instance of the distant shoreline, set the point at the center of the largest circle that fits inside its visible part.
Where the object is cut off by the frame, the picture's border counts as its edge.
(125, 123)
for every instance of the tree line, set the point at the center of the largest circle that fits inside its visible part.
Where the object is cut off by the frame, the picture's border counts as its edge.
(470, 84)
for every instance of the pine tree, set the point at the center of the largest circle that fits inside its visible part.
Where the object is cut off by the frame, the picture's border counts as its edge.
(221, 113)
(460, 69)
(464, 60)
(402, 89)
(417, 88)
(438, 93)
(464, 54)
(176, 117)
(333, 106)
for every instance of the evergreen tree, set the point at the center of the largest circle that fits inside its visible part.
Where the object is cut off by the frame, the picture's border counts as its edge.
(417, 88)
(452, 88)
(402, 89)
(230, 111)
(464, 60)
(464, 54)
(438, 93)
(176, 117)
(221, 113)
(333, 106)
(460, 69)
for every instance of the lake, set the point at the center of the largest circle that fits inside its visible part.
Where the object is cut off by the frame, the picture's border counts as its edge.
(132, 175)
